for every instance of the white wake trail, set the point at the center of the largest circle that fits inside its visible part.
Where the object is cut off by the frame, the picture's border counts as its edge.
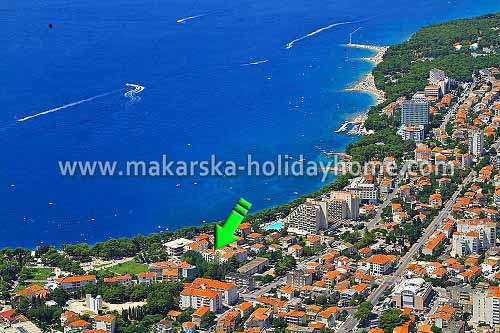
(255, 63)
(132, 94)
(315, 32)
(184, 20)
(59, 108)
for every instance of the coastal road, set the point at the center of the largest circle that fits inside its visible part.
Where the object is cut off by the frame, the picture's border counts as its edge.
(390, 280)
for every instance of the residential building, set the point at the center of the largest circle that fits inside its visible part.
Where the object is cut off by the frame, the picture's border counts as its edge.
(476, 143)
(254, 267)
(415, 133)
(125, 280)
(159, 268)
(436, 75)
(465, 243)
(380, 264)
(342, 205)
(106, 323)
(433, 91)
(432, 245)
(363, 190)
(196, 298)
(177, 246)
(228, 290)
(260, 318)
(75, 282)
(146, 277)
(413, 293)
(299, 278)
(164, 326)
(473, 236)
(244, 282)
(22, 327)
(486, 307)
(415, 111)
(308, 218)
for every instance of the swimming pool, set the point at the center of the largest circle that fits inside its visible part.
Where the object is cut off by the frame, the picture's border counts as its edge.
(274, 226)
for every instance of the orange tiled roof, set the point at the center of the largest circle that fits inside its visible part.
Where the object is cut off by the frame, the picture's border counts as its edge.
(73, 279)
(107, 318)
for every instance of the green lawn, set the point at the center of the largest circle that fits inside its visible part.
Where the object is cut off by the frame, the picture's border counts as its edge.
(33, 273)
(42, 273)
(130, 267)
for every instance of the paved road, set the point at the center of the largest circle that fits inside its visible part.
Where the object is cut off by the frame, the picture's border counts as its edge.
(372, 224)
(276, 283)
(263, 289)
(455, 107)
(404, 261)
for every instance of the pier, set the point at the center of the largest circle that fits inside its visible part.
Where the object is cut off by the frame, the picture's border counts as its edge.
(343, 127)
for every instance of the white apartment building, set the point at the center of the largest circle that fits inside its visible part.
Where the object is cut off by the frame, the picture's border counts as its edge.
(380, 264)
(476, 143)
(196, 298)
(363, 190)
(415, 111)
(486, 307)
(105, 323)
(433, 90)
(75, 282)
(473, 236)
(415, 133)
(342, 205)
(308, 218)
(314, 215)
(464, 244)
(177, 246)
(229, 290)
(436, 75)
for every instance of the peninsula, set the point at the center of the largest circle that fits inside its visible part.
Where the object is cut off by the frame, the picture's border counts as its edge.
(367, 82)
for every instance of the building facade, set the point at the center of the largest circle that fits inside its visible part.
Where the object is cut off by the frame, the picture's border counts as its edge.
(415, 111)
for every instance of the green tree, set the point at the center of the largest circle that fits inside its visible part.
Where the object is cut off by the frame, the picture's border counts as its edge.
(363, 312)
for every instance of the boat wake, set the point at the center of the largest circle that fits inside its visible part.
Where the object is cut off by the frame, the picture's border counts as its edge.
(255, 63)
(132, 94)
(184, 20)
(315, 32)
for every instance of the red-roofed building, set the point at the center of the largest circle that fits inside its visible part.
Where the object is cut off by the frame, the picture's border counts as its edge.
(75, 282)
(196, 298)
(380, 264)
(229, 290)
(146, 277)
(106, 323)
(123, 280)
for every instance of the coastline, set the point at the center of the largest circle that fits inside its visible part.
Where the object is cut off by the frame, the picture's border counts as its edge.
(367, 82)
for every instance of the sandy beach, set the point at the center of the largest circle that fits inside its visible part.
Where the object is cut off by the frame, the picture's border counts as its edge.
(367, 83)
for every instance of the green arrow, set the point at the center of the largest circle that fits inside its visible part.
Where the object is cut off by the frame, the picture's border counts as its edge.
(224, 235)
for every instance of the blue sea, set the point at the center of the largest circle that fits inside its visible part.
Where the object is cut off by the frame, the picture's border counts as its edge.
(199, 99)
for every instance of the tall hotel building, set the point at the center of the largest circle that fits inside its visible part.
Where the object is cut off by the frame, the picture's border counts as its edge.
(415, 111)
